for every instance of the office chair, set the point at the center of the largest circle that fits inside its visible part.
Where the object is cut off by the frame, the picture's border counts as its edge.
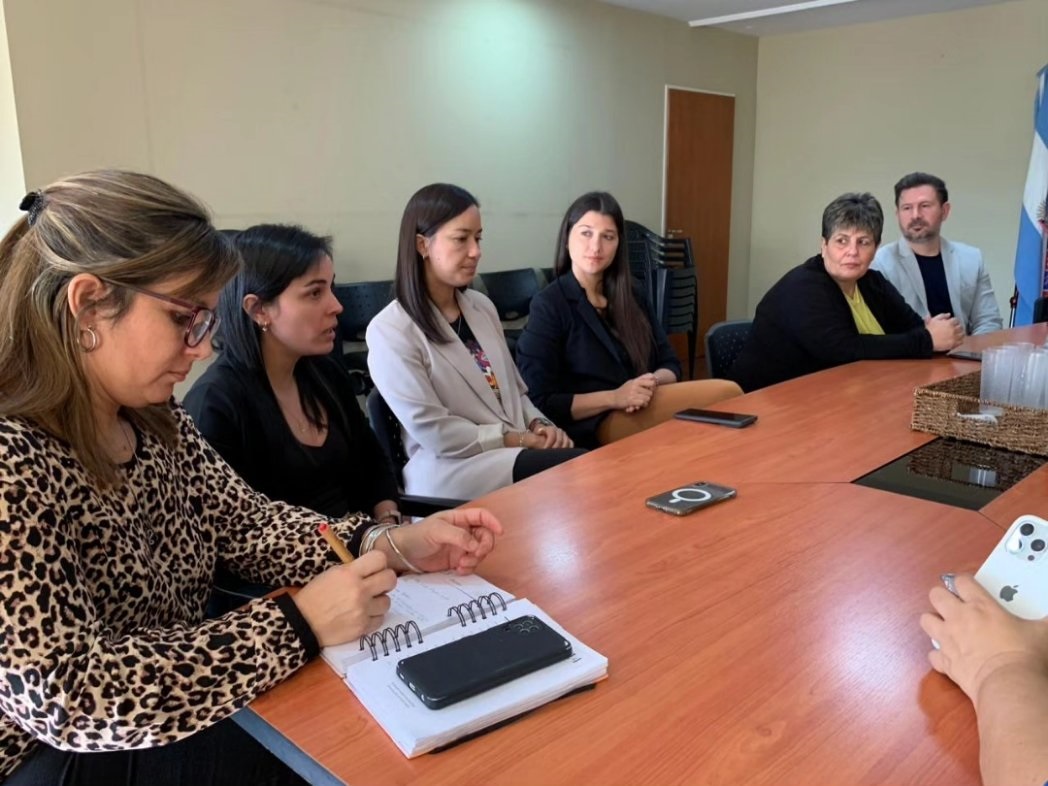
(388, 431)
(724, 342)
(361, 301)
(638, 254)
(511, 292)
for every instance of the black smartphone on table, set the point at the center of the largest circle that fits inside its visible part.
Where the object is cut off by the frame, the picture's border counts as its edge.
(687, 499)
(471, 665)
(965, 354)
(732, 419)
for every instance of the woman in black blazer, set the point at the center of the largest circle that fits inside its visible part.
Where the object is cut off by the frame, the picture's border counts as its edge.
(833, 309)
(593, 355)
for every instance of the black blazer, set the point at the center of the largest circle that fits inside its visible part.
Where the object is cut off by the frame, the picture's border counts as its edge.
(804, 324)
(567, 349)
(236, 411)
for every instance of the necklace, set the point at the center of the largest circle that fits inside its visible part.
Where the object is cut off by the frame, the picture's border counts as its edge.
(456, 324)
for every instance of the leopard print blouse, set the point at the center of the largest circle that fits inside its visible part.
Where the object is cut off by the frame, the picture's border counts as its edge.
(103, 645)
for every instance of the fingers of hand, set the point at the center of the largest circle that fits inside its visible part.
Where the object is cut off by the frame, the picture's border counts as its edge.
(378, 584)
(944, 601)
(938, 661)
(933, 625)
(472, 519)
(378, 606)
(968, 588)
(367, 564)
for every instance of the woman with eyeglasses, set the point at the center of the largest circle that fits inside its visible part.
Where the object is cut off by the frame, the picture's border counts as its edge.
(439, 357)
(115, 510)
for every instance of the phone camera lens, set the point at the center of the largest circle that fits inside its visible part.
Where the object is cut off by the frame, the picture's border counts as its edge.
(1037, 545)
(1026, 529)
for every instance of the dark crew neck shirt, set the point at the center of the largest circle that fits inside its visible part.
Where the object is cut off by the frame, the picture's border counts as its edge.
(935, 290)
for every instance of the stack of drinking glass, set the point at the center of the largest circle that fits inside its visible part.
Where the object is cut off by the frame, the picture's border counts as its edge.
(1015, 374)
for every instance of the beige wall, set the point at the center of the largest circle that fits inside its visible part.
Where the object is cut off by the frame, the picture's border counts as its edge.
(332, 113)
(855, 108)
(12, 180)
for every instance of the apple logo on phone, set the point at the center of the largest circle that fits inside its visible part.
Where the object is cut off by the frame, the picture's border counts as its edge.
(1008, 593)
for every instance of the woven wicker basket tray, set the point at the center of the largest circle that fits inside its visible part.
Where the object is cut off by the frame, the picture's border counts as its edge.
(937, 409)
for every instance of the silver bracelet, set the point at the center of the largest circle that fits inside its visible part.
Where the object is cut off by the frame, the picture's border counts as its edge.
(407, 563)
(367, 543)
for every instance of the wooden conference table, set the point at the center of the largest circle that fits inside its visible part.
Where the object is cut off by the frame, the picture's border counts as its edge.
(772, 639)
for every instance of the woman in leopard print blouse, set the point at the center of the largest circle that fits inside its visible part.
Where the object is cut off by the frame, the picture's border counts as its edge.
(113, 509)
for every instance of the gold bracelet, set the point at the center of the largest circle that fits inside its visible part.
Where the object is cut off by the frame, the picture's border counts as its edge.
(522, 439)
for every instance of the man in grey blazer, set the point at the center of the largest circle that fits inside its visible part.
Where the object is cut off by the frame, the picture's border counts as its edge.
(933, 274)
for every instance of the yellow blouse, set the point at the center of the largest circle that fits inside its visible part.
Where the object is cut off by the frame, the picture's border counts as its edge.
(865, 321)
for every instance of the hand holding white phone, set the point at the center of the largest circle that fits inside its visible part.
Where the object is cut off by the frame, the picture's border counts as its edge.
(1016, 572)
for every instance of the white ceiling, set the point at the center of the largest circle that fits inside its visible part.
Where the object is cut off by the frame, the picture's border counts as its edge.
(846, 13)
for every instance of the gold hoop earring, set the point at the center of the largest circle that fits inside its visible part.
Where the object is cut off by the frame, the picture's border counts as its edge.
(92, 344)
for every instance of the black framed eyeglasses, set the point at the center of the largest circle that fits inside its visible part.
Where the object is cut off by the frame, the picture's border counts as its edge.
(202, 320)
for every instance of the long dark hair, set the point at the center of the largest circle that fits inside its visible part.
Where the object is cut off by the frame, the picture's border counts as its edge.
(273, 256)
(426, 212)
(624, 312)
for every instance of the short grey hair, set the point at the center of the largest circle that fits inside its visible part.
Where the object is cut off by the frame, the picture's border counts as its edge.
(853, 211)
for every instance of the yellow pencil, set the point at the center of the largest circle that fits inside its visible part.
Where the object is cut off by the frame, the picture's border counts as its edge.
(336, 544)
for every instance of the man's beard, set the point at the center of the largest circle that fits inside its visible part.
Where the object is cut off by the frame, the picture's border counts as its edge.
(922, 234)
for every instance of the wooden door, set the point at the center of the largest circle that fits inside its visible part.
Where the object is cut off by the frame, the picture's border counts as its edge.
(700, 129)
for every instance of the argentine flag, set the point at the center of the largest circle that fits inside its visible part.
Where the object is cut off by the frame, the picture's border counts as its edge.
(1031, 277)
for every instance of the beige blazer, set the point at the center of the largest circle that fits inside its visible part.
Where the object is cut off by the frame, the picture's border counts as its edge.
(453, 424)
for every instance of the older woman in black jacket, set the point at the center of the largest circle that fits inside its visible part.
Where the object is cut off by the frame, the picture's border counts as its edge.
(833, 309)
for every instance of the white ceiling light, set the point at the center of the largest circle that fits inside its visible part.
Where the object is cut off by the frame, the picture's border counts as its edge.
(782, 9)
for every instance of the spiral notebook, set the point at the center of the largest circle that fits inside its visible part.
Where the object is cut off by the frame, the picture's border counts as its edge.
(434, 609)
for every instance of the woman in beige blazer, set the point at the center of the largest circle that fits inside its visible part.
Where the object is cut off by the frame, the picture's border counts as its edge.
(438, 356)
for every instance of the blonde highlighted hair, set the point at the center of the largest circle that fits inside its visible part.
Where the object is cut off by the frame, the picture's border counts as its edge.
(126, 227)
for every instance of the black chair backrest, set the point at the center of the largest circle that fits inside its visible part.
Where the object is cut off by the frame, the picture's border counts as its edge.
(1040, 310)
(511, 291)
(361, 301)
(387, 429)
(638, 253)
(677, 306)
(724, 342)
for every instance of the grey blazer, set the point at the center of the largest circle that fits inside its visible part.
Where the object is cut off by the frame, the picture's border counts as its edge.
(971, 292)
(452, 422)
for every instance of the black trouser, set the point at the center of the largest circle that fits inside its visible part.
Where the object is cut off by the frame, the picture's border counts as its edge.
(532, 462)
(221, 755)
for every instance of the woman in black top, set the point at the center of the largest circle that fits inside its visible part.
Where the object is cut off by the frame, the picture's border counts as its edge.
(273, 403)
(593, 355)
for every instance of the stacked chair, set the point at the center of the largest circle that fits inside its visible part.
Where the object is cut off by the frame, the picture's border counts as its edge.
(665, 268)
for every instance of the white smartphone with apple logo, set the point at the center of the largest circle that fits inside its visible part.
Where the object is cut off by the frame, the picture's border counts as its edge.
(1016, 572)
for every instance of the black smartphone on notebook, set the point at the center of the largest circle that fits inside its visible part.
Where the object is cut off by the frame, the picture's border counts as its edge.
(471, 665)
(731, 419)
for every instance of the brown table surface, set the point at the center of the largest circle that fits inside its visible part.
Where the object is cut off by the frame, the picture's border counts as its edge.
(769, 639)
